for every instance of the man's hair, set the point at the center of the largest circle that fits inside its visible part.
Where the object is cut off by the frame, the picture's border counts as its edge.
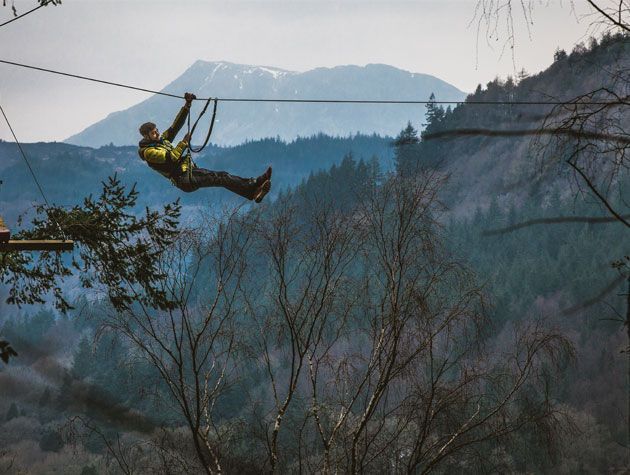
(146, 128)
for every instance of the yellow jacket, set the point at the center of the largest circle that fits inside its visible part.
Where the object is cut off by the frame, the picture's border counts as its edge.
(162, 156)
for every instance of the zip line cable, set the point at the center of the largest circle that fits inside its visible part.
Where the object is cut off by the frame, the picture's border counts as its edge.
(24, 14)
(314, 101)
(90, 79)
(28, 164)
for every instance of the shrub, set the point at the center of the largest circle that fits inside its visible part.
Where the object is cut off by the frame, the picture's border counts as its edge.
(51, 441)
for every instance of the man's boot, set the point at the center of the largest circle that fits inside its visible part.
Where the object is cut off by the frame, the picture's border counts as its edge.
(262, 191)
(264, 185)
(245, 187)
(264, 177)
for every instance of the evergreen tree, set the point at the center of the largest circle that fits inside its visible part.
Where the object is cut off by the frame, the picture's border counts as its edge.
(559, 55)
(39, 324)
(125, 248)
(522, 74)
(6, 351)
(109, 358)
(45, 398)
(65, 398)
(406, 150)
(83, 364)
(433, 115)
(51, 441)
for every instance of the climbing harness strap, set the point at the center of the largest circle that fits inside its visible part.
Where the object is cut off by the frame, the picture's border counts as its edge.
(192, 131)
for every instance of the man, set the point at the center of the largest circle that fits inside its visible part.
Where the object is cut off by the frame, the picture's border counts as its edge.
(176, 165)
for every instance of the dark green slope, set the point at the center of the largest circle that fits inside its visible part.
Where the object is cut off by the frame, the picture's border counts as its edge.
(67, 173)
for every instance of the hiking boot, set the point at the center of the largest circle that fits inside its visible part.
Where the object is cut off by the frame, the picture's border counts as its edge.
(264, 177)
(262, 190)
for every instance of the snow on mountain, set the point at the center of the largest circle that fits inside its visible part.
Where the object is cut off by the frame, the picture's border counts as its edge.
(239, 122)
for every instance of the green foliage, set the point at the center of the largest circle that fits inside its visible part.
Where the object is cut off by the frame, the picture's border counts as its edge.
(406, 149)
(569, 262)
(83, 366)
(27, 332)
(117, 250)
(434, 114)
(89, 470)
(6, 351)
(559, 55)
(341, 184)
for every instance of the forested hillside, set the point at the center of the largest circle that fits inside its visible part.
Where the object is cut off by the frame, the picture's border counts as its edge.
(490, 166)
(438, 315)
(531, 278)
(57, 164)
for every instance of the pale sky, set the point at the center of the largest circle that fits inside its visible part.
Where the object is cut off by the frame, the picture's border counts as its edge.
(150, 43)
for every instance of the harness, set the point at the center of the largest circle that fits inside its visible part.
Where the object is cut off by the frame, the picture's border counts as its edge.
(169, 168)
(191, 132)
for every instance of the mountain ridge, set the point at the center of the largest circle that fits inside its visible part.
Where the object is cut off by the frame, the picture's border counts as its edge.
(238, 122)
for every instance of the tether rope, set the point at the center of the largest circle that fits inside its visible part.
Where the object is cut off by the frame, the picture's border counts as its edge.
(28, 164)
(41, 190)
(192, 131)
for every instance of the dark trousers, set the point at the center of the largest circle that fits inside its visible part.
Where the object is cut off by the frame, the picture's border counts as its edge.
(202, 178)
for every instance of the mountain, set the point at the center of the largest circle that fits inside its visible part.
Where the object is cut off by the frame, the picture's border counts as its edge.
(238, 122)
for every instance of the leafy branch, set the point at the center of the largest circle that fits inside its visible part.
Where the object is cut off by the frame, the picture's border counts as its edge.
(118, 251)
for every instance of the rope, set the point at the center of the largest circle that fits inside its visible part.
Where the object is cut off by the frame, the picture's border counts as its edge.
(41, 191)
(302, 101)
(24, 14)
(214, 115)
(39, 186)
(89, 79)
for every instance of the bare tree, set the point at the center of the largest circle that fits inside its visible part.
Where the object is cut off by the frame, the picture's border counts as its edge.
(166, 450)
(589, 132)
(599, 162)
(307, 296)
(192, 342)
(41, 3)
(418, 390)
(370, 335)
(496, 19)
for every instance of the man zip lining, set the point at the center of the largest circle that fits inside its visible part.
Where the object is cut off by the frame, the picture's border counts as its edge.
(175, 164)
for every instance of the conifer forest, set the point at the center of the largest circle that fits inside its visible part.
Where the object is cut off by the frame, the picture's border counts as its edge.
(452, 299)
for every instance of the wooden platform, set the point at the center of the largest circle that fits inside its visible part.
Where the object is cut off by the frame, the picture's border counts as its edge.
(40, 245)
(5, 234)
(8, 245)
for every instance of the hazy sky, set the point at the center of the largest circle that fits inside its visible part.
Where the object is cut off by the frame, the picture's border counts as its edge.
(150, 43)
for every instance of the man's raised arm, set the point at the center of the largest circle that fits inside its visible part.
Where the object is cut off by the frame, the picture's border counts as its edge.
(170, 133)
